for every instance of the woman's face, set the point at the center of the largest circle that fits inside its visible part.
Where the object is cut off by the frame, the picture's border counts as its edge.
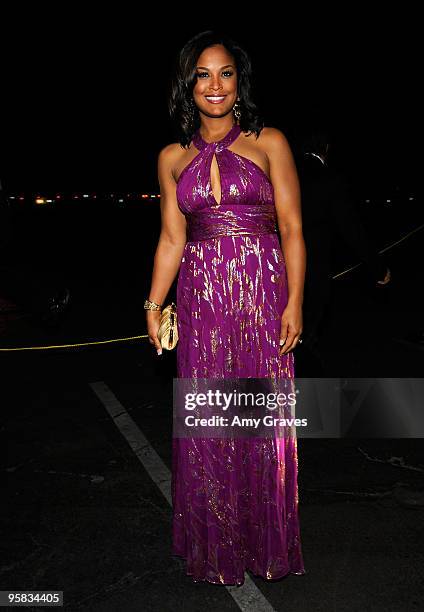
(216, 77)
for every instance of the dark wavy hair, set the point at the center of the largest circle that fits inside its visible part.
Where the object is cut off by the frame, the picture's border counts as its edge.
(183, 81)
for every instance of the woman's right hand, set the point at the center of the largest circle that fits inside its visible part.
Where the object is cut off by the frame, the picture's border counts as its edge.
(153, 317)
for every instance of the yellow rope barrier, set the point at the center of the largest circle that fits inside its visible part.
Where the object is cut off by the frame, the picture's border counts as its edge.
(44, 348)
(387, 248)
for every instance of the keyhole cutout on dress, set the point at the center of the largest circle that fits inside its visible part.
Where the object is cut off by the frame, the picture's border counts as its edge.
(215, 180)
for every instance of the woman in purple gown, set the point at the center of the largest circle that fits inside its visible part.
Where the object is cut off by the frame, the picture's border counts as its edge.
(239, 304)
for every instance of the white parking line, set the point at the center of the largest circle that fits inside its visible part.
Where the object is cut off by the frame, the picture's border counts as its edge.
(248, 597)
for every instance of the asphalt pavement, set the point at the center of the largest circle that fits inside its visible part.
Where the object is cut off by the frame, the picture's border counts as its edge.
(84, 512)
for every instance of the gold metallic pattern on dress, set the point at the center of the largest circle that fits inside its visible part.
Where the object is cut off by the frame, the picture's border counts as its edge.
(251, 262)
(235, 501)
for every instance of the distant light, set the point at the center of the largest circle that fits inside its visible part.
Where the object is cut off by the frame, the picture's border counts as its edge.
(94, 196)
(12, 197)
(158, 195)
(49, 200)
(58, 196)
(76, 197)
(144, 195)
(85, 195)
(388, 200)
(367, 201)
(21, 198)
(120, 200)
(410, 199)
(40, 201)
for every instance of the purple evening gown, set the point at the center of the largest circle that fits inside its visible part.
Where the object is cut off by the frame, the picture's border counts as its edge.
(235, 501)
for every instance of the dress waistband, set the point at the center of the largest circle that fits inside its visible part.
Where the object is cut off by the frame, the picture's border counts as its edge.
(237, 220)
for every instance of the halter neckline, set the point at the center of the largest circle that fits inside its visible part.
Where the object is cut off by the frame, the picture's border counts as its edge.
(229, 137)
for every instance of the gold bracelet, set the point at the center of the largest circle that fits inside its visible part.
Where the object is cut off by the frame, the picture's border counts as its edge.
(149, 305)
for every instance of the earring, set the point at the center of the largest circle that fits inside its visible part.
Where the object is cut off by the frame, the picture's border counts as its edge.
(236, 109)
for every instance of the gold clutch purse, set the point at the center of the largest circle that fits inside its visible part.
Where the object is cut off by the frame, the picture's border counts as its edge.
(168, 330)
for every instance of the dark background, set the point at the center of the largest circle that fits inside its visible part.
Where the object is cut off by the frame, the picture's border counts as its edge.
(83, 109)
(86, 94)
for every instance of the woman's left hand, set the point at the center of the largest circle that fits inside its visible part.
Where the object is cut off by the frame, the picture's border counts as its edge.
(291, 327)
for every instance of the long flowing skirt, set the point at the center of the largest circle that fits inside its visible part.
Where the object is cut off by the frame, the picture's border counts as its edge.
(235, 500)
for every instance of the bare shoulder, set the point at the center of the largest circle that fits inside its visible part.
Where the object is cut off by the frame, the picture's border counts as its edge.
(169, 157)
(273, 137)
(276, 146)
(170, 152)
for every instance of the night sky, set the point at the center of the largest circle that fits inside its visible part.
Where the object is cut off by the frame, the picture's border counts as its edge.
(86, 95)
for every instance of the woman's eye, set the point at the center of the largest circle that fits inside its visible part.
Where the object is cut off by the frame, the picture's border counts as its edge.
(201, 74)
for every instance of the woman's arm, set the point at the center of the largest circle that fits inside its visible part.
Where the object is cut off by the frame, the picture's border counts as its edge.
(171, 242)
(287, 195)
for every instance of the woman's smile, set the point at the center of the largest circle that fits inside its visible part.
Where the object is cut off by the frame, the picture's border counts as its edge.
(215, 99)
